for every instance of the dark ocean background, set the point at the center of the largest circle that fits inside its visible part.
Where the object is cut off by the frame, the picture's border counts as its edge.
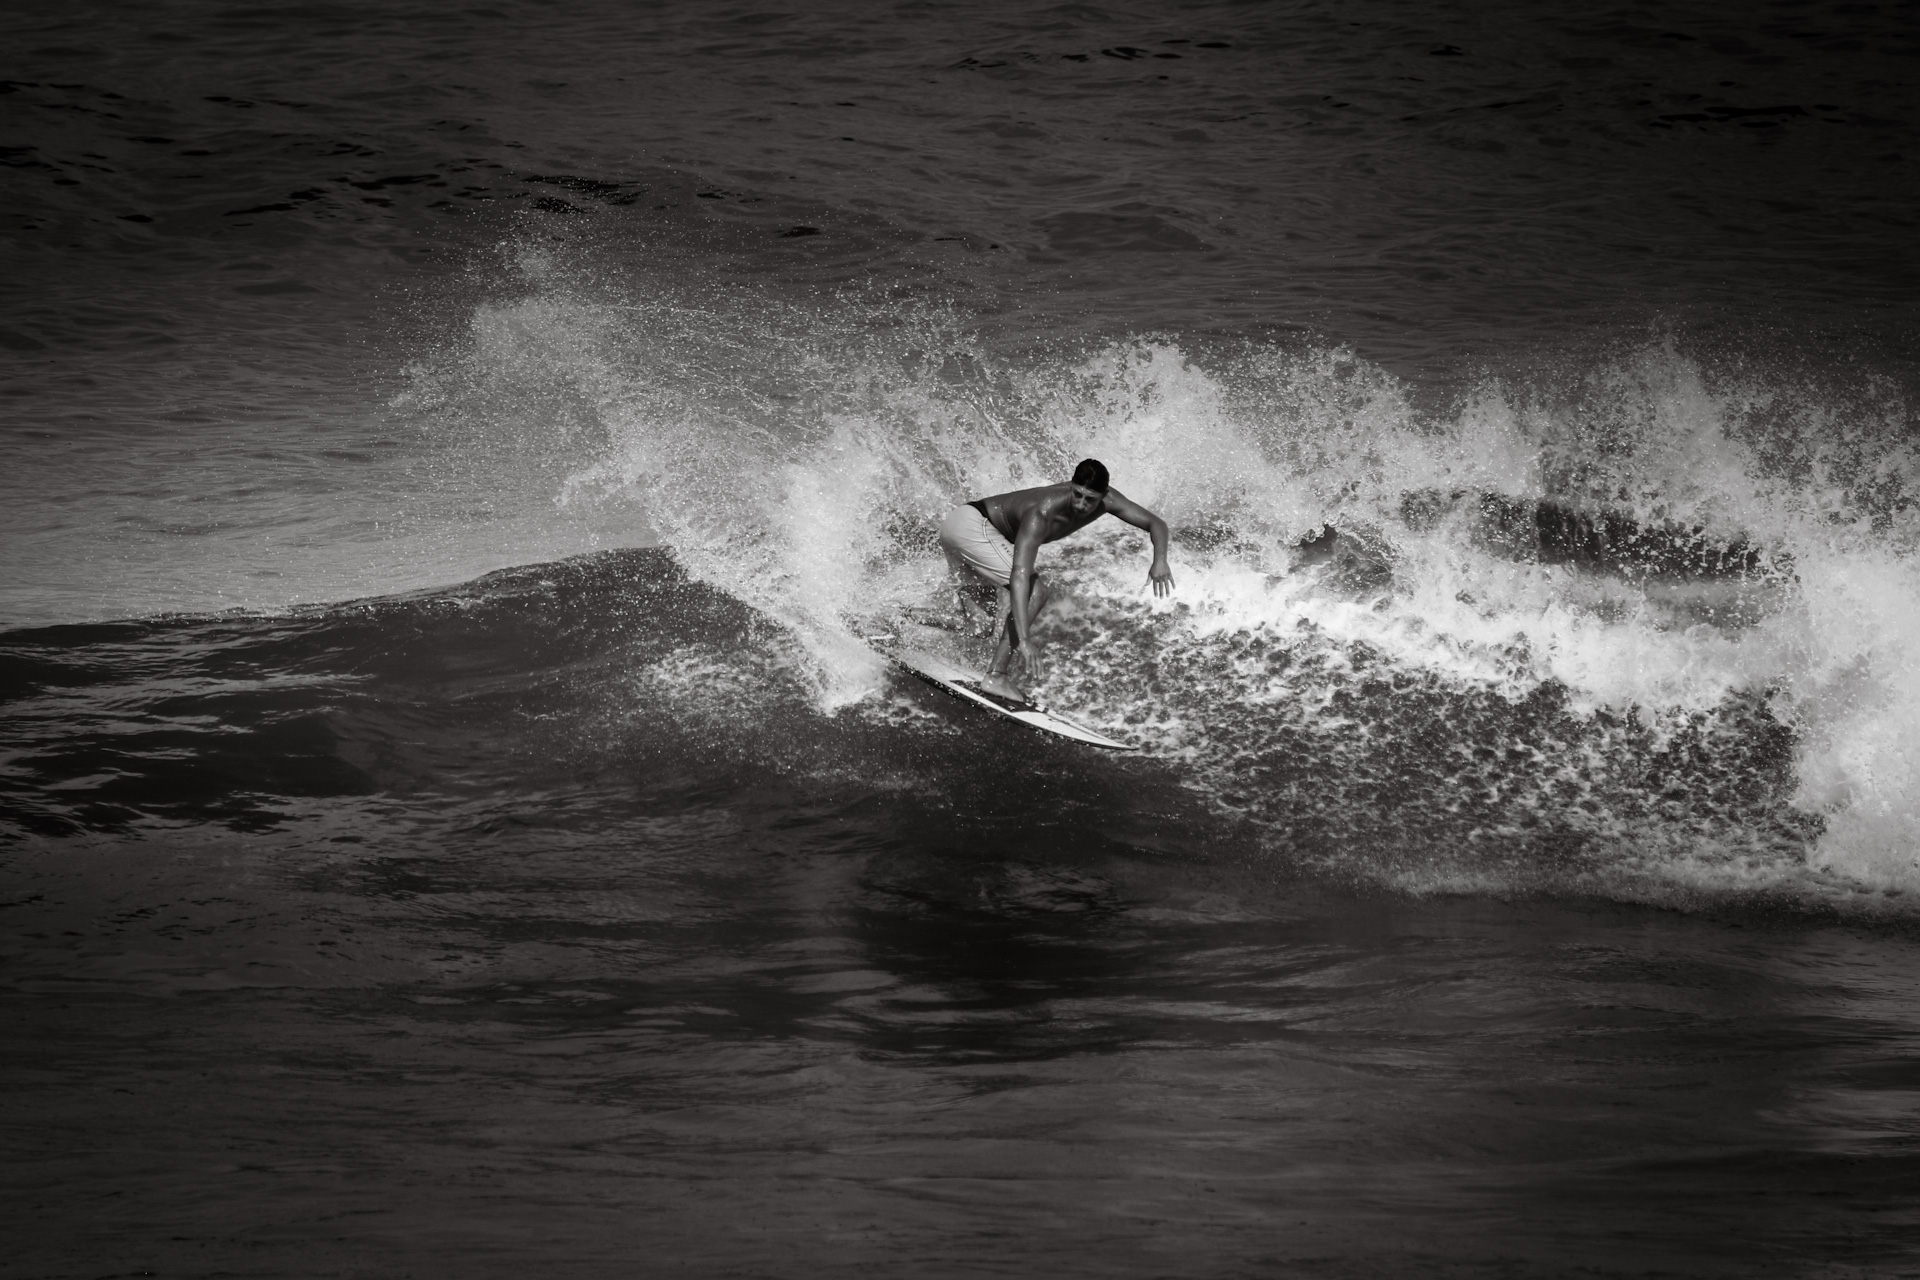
(452, 822)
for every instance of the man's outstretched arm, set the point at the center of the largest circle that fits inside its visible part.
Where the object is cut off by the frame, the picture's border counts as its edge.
(1118, 504)
(1026, 550)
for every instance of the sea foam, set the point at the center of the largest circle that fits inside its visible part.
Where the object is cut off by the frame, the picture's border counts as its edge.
(797, 457)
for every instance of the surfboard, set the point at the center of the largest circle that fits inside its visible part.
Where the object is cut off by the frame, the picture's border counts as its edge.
(965, 684)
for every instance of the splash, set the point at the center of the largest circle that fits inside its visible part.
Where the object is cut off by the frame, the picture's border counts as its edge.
(1652, 624)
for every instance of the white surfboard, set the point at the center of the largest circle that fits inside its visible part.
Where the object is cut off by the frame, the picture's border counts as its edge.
(962, 683)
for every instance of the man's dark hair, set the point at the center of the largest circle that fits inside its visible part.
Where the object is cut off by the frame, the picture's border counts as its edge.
(1091, 474)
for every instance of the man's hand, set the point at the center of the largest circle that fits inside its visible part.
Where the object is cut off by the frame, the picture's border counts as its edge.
(1029, 655)
(1161, 577)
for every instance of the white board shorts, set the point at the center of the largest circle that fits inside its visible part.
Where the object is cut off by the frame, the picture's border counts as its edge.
(973, 544)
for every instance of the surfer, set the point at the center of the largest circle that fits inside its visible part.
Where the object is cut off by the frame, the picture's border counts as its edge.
(995, 540)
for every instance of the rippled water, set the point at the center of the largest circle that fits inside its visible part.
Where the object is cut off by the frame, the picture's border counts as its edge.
(451, 823)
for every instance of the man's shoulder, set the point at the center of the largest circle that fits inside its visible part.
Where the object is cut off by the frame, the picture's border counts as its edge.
(1043, 498)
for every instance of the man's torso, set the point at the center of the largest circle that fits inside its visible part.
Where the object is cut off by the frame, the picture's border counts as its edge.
(1006, 512)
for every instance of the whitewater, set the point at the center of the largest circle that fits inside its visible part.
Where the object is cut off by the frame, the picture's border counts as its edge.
(1637, 585)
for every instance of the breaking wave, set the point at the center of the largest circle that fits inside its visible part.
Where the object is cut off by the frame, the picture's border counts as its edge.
(1646, 628)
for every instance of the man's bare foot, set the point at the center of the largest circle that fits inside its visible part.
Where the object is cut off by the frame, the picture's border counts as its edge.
(1001, 687)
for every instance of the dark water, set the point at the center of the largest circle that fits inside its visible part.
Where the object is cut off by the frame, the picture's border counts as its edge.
(451, 823)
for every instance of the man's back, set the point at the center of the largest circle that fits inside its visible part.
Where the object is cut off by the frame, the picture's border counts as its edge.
(1052, 503)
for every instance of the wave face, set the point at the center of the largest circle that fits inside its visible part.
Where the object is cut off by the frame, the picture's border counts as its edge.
(1644, 629)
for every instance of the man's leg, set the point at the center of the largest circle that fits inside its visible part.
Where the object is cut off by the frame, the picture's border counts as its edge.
(1003, 632)
(966, 585)
(978, 562)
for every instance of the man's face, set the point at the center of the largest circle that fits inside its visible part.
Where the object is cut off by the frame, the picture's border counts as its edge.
(1085, 499)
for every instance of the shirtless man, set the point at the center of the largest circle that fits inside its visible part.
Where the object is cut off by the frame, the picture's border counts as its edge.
(995, 540)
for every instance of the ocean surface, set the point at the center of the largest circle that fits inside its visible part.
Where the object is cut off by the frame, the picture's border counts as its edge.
(453, 821)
